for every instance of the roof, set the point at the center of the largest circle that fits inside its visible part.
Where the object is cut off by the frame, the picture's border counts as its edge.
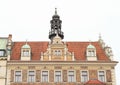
(79, 49)
(90, 46)
(26, 46)
(94, 82)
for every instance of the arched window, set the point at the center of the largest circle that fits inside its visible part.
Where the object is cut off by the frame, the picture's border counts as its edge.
(91, 52)
(25, 52)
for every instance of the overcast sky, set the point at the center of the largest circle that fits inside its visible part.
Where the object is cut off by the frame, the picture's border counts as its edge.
(82, 20)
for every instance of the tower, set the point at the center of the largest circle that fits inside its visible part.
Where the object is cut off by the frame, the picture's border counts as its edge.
(55, 26)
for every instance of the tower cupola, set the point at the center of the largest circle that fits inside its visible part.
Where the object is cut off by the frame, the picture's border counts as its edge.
(55, 26)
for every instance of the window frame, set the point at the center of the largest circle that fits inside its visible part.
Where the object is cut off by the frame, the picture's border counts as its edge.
(84, 76)
(104, 75)
(42, 76)
(2, 52)
(25, 52)
(60, 76)
(28, 76)
(57, 52)
(74, 76)
(91, 52)
(15, 76)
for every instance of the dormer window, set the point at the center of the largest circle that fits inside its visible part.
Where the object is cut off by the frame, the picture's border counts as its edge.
(91, 52)
(25, 52)
(2, 52)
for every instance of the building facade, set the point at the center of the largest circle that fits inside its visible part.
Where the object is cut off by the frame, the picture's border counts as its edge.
(56, 62)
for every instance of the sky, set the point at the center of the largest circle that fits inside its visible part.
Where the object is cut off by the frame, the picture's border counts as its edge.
(82, 20)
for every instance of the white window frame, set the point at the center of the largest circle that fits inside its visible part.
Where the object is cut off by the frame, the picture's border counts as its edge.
(25, 52)
(42, 76)
(82, 76)
(74, 76)
(28, 76)
(15, 76)
(91, 52)
(2, 53)
(55, 76)
(104, 75)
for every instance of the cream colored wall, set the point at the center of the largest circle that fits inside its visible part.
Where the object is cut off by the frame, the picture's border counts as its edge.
(92, 58)
(2, 72)
(25, 58)
(2, 81)
(8, 77)
(59, 66)
(113, 77)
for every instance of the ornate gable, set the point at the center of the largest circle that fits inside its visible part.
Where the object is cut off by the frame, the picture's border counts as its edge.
(57, 51)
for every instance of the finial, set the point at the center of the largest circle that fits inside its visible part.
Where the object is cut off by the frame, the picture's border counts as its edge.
(26, 41)
(99, 36)
(89, 42)
(55, 11)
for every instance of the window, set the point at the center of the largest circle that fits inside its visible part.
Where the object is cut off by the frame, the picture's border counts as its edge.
(71, 76)
(58, 76)
(2, 52)
(31, 76)
(101, 76)
(91, 53)
(91, 50)
(26, 53)
(57, 52)
(84, 76)
(18, 76)
(44, 76)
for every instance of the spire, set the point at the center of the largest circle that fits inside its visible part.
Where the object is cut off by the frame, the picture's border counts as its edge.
(26, 42)
(55, 11)
(89, 42)
(99, 36)
(101, 41)
(55, 26)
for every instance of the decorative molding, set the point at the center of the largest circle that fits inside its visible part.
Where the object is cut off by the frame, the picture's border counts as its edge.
(31, 67)
(57, 67)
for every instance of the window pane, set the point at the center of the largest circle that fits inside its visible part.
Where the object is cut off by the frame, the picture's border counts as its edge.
(102, 76)
(57, 76)
(1, 53)
(44, 76)
(91, 53)
(18, 77)
(84, 76)
(25, 52)
(57, 52)
(31, 76)
(71, 76)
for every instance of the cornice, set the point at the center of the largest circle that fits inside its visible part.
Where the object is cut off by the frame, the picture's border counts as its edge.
(113, 63)
(3, 58)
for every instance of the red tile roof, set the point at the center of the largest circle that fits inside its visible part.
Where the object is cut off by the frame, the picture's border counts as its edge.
(94, 82)
(79, 49)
